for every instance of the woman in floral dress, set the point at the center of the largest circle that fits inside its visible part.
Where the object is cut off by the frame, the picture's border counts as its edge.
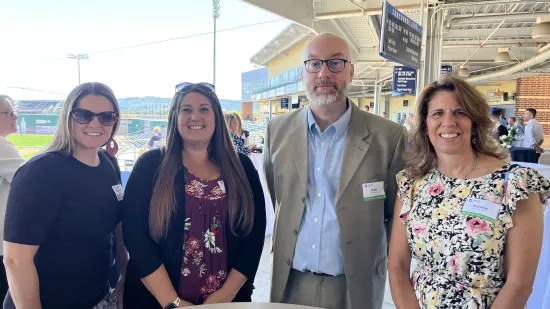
(472, 221)
(238, 135)
(194, 213)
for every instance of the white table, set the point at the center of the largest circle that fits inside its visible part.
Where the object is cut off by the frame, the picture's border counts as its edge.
(541, 168)
(540, 297)
(254, 306)
(257, 160)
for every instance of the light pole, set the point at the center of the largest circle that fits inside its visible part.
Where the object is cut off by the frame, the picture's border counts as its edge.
(78, 57)
(216, 15)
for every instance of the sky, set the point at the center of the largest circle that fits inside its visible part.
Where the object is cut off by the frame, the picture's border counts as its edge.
(36, 36)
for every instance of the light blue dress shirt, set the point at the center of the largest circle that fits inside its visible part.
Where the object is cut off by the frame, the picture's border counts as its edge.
(319, 247)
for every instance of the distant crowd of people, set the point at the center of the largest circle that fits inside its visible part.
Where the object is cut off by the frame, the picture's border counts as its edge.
(351, 204)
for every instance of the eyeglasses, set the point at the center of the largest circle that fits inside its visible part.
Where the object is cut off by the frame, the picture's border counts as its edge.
(179, 87)
(333, 65)
(10, 114)
(84, 116)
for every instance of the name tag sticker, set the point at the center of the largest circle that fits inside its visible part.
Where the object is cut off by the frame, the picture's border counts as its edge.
(481, 209)
(373, 191)
(222, 185)
(119, 192)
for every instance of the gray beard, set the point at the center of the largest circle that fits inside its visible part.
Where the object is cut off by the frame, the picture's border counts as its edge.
(327, 99)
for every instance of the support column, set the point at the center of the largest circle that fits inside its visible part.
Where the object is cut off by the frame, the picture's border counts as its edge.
(377, 99)
(270, 110)
(431, 69)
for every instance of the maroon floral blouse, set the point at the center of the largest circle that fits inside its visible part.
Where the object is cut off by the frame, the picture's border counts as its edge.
(204, 268)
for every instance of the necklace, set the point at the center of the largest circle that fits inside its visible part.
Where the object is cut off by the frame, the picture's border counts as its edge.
(448, 192)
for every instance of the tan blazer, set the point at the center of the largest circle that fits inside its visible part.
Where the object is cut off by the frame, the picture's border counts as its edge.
(373, 153)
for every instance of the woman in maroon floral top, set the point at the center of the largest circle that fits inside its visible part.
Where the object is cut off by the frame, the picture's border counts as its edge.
(194, 213)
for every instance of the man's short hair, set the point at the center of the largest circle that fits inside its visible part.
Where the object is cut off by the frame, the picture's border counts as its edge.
(367, 107)
(532, 111)
(513, 118)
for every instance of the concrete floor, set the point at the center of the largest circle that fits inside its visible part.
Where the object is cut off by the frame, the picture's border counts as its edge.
(263, 281)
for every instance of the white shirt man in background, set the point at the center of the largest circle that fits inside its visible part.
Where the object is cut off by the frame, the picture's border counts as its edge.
(534, 135)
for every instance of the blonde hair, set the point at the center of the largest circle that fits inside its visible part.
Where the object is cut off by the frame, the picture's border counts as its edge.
(63, 140)
(228, 118)
(240, 129)
(157, 130)
(421, 157)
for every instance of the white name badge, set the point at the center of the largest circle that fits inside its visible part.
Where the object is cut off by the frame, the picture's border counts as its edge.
(222, 185)
(119, 192)
(481, 209)
(373, 191)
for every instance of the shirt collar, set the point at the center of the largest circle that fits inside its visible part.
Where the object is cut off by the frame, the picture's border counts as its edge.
(341, 125)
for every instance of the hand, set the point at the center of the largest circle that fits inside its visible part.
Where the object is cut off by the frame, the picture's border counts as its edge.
(117, 294)
(252, 147)
(218, 297)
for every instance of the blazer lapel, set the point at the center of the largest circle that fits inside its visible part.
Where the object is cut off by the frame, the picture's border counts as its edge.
(355, 151)
(298, 140)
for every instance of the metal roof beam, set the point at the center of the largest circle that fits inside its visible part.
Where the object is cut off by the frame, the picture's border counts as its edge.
(346, 34)
(296, 11)
(293, 42)
(482, 33)
(355, 13)
(525, 17)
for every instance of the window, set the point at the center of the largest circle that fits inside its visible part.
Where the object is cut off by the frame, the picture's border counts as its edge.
(292, 74)
(284, 77)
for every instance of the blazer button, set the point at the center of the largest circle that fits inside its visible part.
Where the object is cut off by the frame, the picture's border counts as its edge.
(288, 262)
(295, 232)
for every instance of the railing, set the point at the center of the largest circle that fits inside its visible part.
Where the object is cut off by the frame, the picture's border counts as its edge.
(271, 87)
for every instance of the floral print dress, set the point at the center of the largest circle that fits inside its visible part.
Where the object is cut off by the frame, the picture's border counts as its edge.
(460, 256)
(238, 142)
(204, 267)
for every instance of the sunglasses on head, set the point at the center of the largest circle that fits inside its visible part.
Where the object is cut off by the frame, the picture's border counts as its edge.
(84, 116)
(180, 87)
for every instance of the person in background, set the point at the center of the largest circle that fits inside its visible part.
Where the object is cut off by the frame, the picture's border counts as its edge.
(385, 115)
(157, 136)
(10, 161)
(244, 134)
(511, 122)
(498, 129)
(194, 213)
(472, 221)
(237, 135)
(152, 144)
(534, 134)
(502, 120)
(63, 209)
(409, 124)
(366, 108)
(520, 128)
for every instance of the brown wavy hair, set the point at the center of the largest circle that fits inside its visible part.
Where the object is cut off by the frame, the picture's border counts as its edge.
(421, 157)
(240, 204)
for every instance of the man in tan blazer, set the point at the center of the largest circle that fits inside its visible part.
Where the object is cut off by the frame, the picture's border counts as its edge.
(331, 169)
